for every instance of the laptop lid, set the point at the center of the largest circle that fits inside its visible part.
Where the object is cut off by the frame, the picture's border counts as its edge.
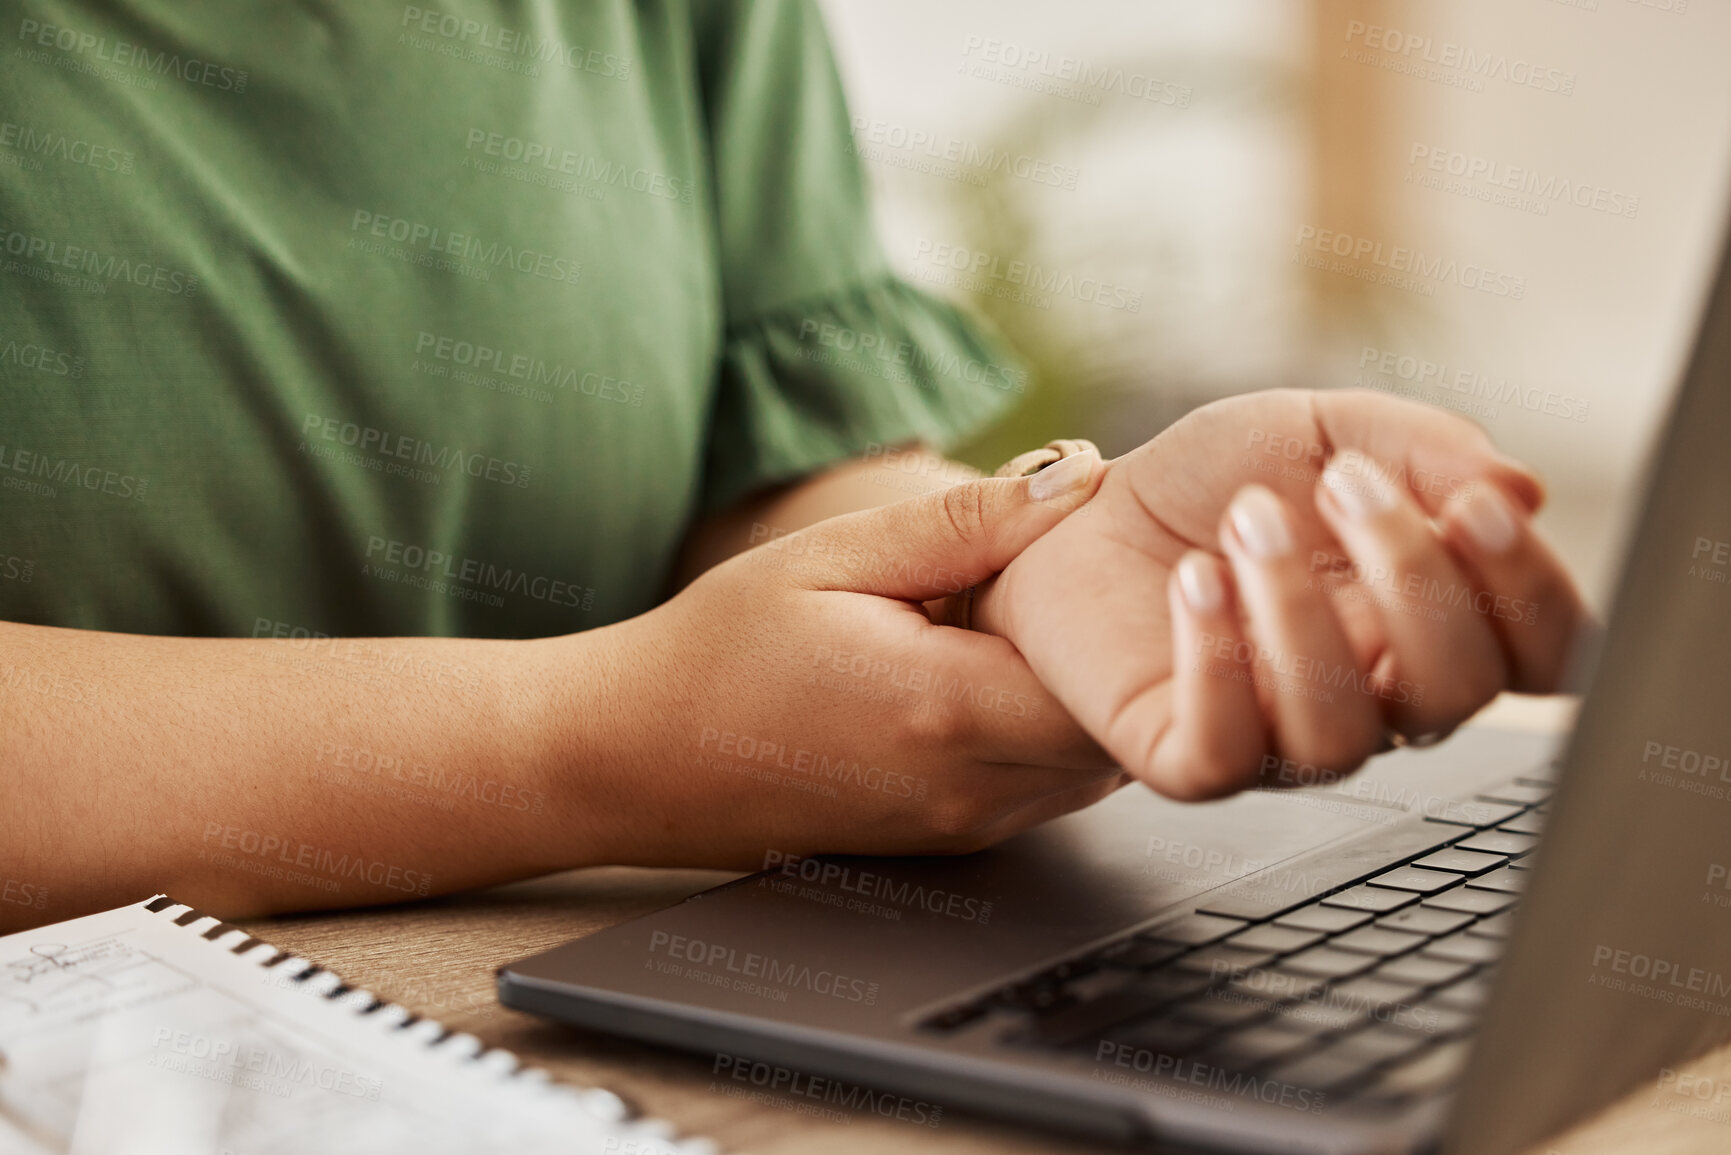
(1620, 964)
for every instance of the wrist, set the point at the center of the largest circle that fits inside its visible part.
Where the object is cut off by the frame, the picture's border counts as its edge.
(568, 722)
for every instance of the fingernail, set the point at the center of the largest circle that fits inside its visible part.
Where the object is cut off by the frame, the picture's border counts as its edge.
(1063, 477)
(1200, 584)
(1260, 523)
(1489, 521)
(1358, 495)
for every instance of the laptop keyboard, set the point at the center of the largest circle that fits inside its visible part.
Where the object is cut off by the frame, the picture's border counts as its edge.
(1365, 983)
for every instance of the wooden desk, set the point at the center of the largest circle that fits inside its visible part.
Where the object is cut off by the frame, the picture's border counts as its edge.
(438, 959)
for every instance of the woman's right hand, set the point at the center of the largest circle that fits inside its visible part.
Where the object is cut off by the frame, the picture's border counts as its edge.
(797, 698)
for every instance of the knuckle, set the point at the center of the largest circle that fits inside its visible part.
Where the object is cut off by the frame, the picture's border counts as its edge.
(965, 508)
(937, 725)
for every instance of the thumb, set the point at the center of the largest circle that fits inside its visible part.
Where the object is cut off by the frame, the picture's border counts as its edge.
(942, 543)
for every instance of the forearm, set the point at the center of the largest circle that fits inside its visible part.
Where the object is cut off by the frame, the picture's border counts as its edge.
(247, 775)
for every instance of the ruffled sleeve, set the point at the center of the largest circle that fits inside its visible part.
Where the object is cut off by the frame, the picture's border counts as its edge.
(826, 353)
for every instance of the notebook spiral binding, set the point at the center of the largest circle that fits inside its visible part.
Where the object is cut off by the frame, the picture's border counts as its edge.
(602, 1104)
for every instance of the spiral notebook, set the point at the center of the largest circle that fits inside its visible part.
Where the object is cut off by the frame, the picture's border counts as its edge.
(156, 1029)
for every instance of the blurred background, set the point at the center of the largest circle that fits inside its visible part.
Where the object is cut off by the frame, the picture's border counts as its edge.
(1506, 208)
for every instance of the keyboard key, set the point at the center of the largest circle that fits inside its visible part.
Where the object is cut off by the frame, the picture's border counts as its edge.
(1439, 1019)
(1517, 793)
(1280, 939)
(1140, 954)
(955, 1018)
(1459, 811)
(1378, 941)
(1326, 962)
(1033, 996)
(1425, 1073)
(1421, 971)
(1467, 948)
(1322, 1070)
(1274, 983)
(1359, 858)
(1165, 1035)
(1069, 1024)
(1375, 995)
(1525, 824)
(1221, 961)
(1377, 1044)
(1462, 861)
(1509, 880)
(1327, 919)
(1416, 880)
(1318, 1018)
(1222, 1012)
(1371, 898)
(1258, 1044)
(1466, 900)
(1424, 920)
(1172, 985)
(1498, 926)
(1499, 842)
(1195, 929)
(1467, 995)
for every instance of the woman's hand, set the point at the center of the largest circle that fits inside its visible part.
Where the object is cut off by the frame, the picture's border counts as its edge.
(797, 698)
(1287, 577)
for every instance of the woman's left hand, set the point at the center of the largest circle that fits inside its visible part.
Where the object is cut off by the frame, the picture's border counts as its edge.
(1288, 577)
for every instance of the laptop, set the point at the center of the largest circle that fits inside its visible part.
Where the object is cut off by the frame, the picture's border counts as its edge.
(1465, 948)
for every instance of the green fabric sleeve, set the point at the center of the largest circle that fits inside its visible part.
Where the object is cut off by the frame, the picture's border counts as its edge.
(826, 352)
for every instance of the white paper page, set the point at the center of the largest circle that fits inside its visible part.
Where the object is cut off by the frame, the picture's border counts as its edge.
(124, 1033)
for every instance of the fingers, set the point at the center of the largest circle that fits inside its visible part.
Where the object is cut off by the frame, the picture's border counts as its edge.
(1442, 660)
(1313, 697)
(1524, 594)
(943, 543)
(1215, 737)
(1439, 456)
(1011, 716)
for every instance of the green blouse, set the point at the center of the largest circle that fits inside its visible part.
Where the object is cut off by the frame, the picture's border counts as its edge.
(365, 319)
